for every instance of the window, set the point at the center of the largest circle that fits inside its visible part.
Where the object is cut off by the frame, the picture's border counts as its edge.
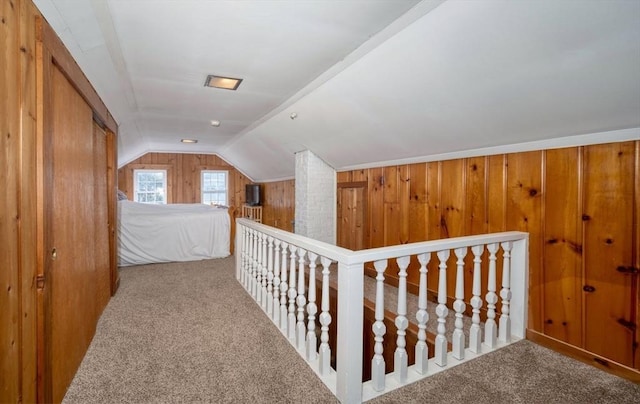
(150, 186)
(213, 185)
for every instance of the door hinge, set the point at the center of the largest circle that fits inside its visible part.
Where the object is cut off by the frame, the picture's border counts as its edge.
(40, 282)
(627, 324)
(627, 270)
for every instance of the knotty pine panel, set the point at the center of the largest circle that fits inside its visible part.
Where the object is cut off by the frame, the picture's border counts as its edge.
(476, 196)
(496, 193)
(475, 213)
(452, 214)
(562, 248)
(524, 213)
(434, 217)
(636, 251)
(359, 175)
(418, 208)
(343, 176)
(18, 202)
(28, 263)
(608, 242)
(10, 341)
(376, 207)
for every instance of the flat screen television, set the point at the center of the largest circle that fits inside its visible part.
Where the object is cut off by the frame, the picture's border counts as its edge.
(252, 195)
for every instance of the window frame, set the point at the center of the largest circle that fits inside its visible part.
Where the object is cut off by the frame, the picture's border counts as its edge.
(164, 182)
(203, 172)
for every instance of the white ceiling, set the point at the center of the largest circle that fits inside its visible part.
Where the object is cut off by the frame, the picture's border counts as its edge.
(371, 81)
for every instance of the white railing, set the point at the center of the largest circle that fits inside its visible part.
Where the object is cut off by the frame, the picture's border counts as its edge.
(279, 270)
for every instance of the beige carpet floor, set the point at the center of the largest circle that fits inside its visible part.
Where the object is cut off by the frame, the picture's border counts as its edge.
(189, 333)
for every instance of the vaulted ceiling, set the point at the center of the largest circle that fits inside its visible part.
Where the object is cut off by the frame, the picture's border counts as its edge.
(368, 81)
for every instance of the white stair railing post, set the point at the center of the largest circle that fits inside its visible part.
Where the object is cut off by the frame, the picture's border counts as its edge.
(349, 340)
(312, 310)
(292, 293)
(301, 301)
(270, 277)
(422, 349)
(441, 310)
(490, 326)
(400, 358)
(459, 306)
(519, 287)
(379, 329)
(475, 333)
(504, 329)
(284, 287)
(276, 283)
(325, 320)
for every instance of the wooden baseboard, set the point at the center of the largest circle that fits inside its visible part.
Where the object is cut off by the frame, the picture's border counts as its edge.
(585, 356)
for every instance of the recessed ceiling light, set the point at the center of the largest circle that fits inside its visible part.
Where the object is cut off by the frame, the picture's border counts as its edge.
(215, 123)
(189, 141)
(227, 83)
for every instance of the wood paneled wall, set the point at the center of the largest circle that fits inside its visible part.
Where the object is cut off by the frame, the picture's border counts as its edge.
(183, 172)
(18, 258)
(580, 207)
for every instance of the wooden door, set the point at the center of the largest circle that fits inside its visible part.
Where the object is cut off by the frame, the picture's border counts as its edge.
(608, 213)
(351, 214)
(70, 268)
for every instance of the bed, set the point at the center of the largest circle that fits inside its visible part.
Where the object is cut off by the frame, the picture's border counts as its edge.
(150, 233)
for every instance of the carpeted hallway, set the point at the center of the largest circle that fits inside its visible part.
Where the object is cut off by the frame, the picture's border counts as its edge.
(189, 333)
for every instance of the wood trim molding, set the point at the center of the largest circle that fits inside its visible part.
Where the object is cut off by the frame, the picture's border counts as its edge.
(352, 184)
(587, 357)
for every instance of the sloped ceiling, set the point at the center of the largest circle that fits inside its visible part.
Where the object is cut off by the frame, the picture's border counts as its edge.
(369, 82)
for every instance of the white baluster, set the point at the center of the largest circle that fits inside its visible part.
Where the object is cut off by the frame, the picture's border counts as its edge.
(291, 326)
(312, 310)
(400, 358)
(254, 265)
(422, 349)
(459, 306)
(284, 287)
(276, 283)
(249, 264)
(270, 277)
(263, 266)
(325, 320)
(442, 311)
(475, 333)
(258, 296)
(490, 327)
(505, 293)
(379, 329)
(301, 301)
(241, 248)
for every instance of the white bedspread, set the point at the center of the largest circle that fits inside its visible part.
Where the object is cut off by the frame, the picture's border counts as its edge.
(175, 232)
